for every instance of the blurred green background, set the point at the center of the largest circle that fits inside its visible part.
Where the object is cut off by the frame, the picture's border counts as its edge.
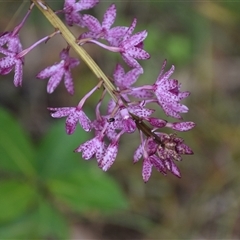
(49, 192)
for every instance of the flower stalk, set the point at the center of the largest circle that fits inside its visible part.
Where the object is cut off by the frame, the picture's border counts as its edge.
(71, 40)
(74, 43)
(128, 109)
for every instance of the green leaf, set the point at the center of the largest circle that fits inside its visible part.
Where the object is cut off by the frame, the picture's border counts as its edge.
(55, 155)
(50, 222)
(89, 190)
(16, 150)
(15, 199)
(45, 223)
(178, 47)
(73, 181)
(21, 228)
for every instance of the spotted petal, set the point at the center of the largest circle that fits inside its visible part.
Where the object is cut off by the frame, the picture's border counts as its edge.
(109, 157)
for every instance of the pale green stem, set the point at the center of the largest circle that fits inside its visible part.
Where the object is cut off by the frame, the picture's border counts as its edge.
(71, 40)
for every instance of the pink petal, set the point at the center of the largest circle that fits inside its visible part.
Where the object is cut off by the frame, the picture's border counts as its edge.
(109, 157)
(84, 121)
(165, 76)
(69, 2)
(61, 112)
(168, 84)
(129, 125)
(141, 112)
(18, 74)
(5, 71)
(158, 164)
(92, 23)
(68, 81)
(169, 111)
(158, 123)
(74, 17)
(118, 75)
(130, 29)
(137, 53)
(184, 149)
(64, 54)
(88, 149)
(111, 134)
(100, 150)
(183, 95)
(135, 39)
(49, 71)
(111, 106)
(54, 80)
(130, 61)
(142, 94)
(7, 62)
(74, 62)
(71, 122)
(162, 68)
(109, 17)
(146, 170)
(131, 77)
(183, 126)
(172, 167)
(69, 19)
(85, 4)
(117, 32)
(137, 154)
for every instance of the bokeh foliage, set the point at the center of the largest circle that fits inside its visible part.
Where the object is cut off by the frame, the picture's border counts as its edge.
(40, 184)
(42, 181)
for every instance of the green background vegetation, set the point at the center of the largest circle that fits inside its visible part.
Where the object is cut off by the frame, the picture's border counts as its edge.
(49, 192)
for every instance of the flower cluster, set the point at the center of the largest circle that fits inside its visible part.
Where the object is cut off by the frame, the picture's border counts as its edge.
(128, 111)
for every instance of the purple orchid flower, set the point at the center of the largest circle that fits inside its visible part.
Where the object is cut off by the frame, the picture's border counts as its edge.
(74, 115)
(168, 93)
(8, 63)
(130, 51)
(130, 47)
(103, 31)
(124, 82)
(15, 59)
(11, 47)
(11, 39)
(94, 147)
(60, 70)
(127, 35)
(162, 158)
(181, 126)
(71, 9)
(109, 156)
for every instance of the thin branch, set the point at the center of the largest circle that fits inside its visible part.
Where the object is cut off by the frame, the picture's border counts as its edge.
(71, 40)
